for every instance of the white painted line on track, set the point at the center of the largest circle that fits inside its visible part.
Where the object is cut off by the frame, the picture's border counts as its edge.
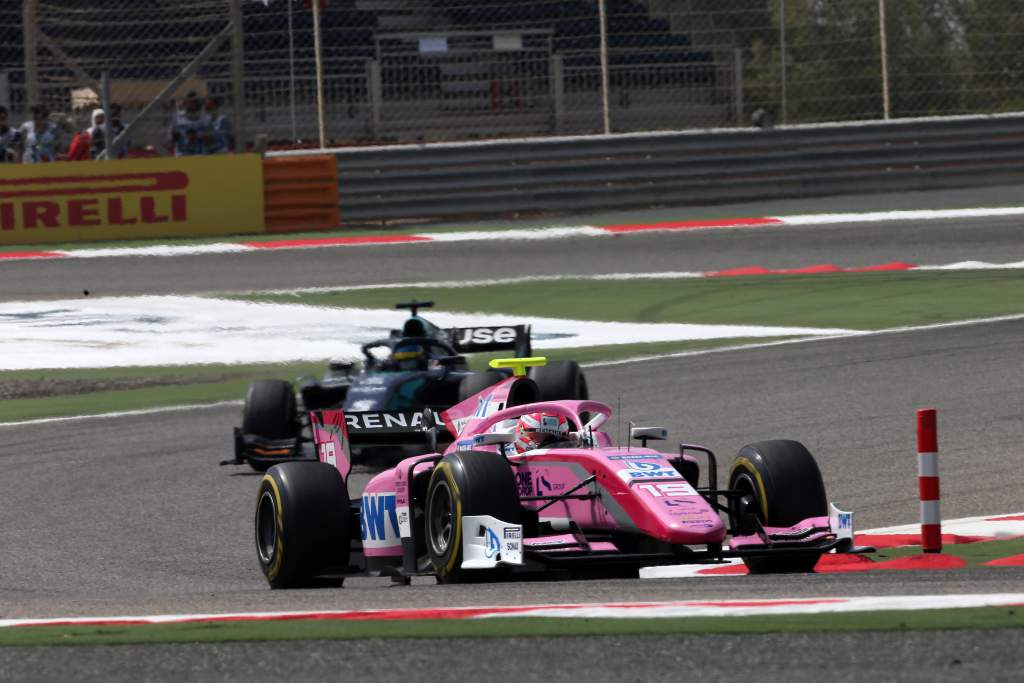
(739, 608)
(806, 340)
(584, 277)
(973, 265)
(552, 233)
(123, 413)
(161, 250)
(633, 610)
(462, 284)
(518, 234)
(996, 526)
(903, 215)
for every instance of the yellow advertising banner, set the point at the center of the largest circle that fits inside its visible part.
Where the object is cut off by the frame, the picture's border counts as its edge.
(131, 199)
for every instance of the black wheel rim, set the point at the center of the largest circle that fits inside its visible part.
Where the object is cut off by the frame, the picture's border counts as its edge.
(266, 527)
(747, 503)
(441, 519)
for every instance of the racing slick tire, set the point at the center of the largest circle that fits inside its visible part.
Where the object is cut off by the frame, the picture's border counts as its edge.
(302, 522)
(782, 485)
(560, 380)
(465, 483)
(477, 382)
(269, 412)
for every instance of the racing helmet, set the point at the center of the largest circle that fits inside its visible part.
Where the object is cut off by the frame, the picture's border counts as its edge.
(537, 430)
(409, 357)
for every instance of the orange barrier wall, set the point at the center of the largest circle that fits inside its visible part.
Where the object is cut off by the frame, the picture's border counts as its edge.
(131, 199)
(301, 193)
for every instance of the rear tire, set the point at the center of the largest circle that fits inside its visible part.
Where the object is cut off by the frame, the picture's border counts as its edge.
(560, 380)
(477, 382)
(782, 486)
(302, 522)
(465, 483)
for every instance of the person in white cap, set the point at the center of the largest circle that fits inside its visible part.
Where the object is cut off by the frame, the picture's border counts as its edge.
(39, 138)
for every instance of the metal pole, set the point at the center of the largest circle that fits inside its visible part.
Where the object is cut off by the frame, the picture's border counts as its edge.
(604, 66)
(238, 74)
(782, 57)
(376, 95)
(737, 83)
(319, 74)
(558, 90)
(883, 41)
(30, 29)
(291, 69)
(108, 140)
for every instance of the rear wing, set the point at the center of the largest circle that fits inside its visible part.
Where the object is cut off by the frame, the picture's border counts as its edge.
(386, 427)
(514, 338)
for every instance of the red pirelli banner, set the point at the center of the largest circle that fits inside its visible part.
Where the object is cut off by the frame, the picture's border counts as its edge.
(131, 199)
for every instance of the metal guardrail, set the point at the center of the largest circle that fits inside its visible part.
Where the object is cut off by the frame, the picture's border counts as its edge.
(463, 180)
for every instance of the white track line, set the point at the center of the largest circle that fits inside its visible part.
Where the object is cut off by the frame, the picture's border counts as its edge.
(807, 340)
(123, 413)
(741, 608)
(905, 215)
(628, 610)
(462, 284)
(553, 232)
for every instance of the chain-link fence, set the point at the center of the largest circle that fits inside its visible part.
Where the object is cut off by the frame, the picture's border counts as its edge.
(417, 70)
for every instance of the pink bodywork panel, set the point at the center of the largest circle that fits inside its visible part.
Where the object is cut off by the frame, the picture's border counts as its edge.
(384, 501)
(640, 492)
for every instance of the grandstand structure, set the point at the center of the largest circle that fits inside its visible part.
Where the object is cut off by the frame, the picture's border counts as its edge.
(393, 70)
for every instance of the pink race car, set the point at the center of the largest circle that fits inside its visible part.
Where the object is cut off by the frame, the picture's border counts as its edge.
(528, 487)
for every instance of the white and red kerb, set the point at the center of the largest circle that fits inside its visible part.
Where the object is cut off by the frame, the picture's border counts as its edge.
(928, 480)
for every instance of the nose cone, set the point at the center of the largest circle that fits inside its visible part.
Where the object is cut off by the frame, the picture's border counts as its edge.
(685, 520)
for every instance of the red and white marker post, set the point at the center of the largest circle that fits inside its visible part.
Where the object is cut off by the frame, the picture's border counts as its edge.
(928, 480)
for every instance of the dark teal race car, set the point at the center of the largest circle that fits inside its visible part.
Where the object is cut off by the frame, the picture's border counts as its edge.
(416, 370)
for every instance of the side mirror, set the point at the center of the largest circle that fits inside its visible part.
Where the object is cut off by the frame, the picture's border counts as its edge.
(429, 426)
(449, 361)
(340, 366)
(645, 434)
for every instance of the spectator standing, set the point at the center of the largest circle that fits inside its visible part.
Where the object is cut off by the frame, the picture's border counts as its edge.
(221, 132)
(190, 133)
(40, 138)
(87, 144)
(8, 138)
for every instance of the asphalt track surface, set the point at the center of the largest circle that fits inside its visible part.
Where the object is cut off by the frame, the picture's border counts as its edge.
(925, 242)
(131, 515)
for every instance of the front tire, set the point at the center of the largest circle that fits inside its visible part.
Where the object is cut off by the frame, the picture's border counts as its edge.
(465, 484)
(302, 522)
(782, 485)
(269, 412)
